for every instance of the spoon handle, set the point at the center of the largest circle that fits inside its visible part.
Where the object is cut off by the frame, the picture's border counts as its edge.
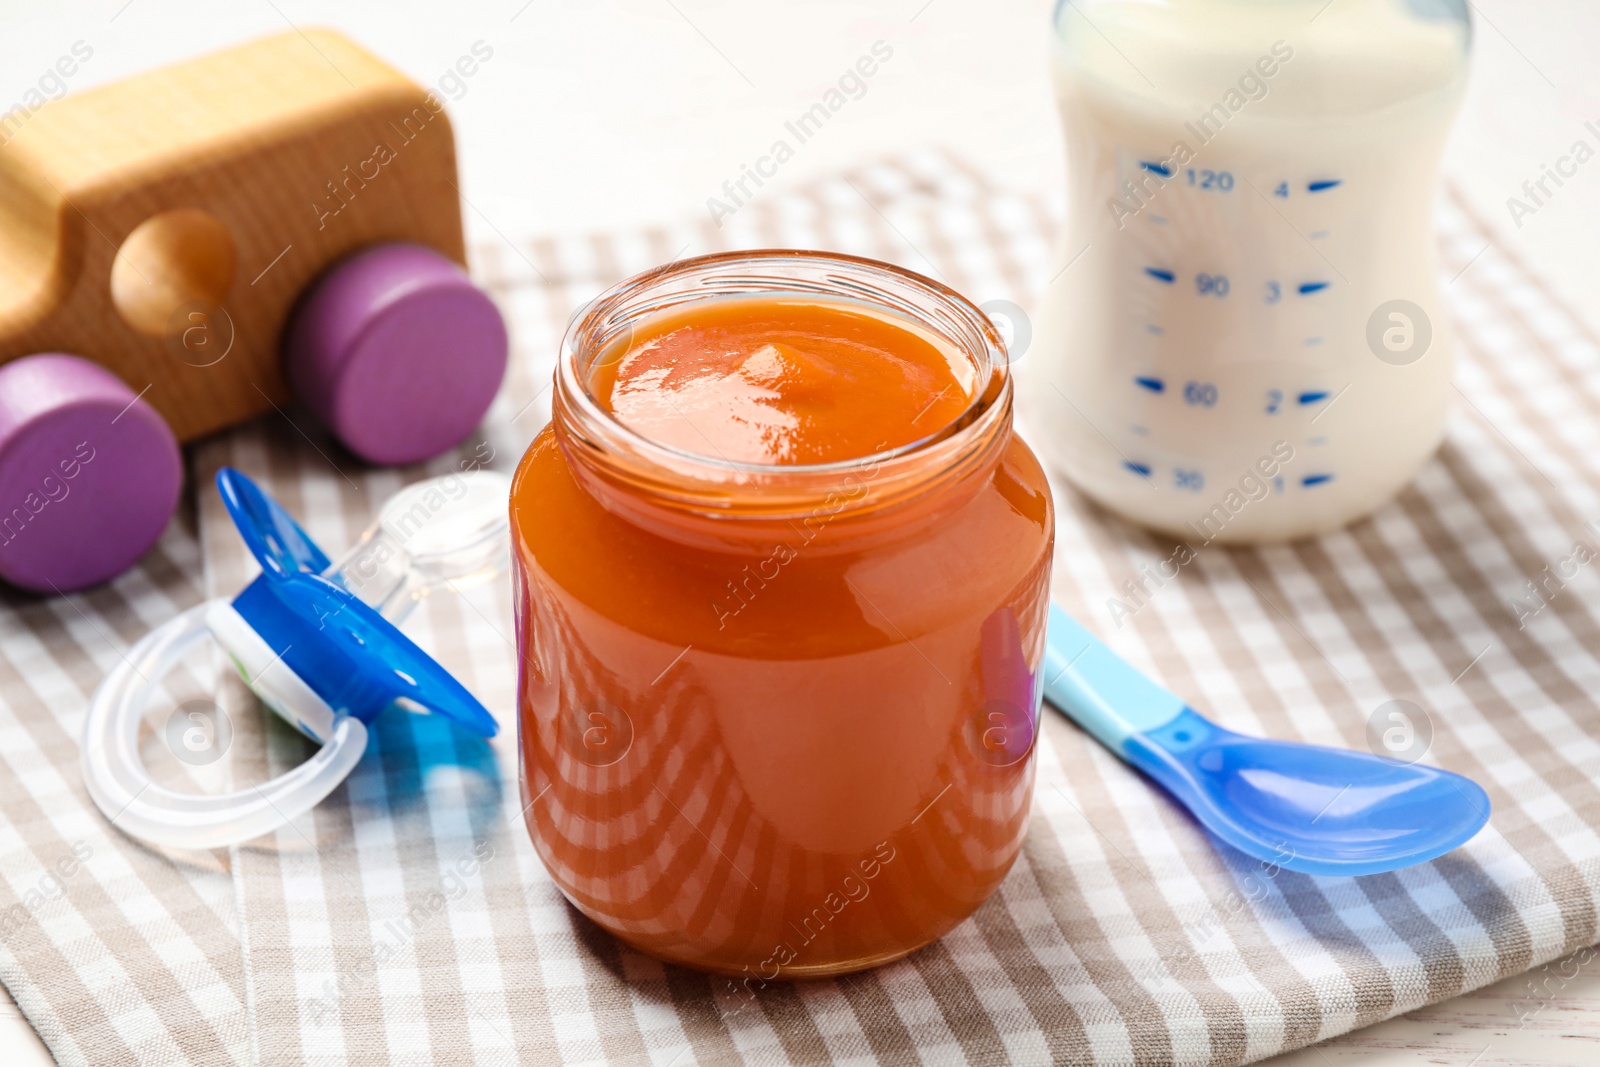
(1097, 689)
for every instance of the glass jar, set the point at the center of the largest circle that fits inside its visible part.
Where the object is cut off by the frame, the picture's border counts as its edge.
(779, 721)
(1246, 341)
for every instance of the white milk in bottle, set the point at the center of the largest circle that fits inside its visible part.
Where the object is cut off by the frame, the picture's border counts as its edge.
(1246, 340)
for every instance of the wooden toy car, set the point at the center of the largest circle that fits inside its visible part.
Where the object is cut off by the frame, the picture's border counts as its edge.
(194, 246)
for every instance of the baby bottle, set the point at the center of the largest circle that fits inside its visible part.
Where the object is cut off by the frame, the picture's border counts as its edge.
(1245, 340)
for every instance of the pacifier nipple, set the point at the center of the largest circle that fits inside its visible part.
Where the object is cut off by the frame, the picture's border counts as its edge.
(447, 531)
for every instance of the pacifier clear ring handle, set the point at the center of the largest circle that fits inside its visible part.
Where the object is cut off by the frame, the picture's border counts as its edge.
(122, 788)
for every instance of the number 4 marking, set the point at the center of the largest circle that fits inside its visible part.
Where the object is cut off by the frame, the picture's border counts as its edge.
(1281, 190)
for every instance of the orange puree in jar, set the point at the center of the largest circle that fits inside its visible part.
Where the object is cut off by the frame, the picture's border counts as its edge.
(768, 380)
(782, 573)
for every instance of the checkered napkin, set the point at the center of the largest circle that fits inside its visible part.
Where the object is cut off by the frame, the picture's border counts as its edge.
(407, 919)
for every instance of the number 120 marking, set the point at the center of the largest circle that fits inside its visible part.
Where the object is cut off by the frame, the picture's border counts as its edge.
(1219, 180)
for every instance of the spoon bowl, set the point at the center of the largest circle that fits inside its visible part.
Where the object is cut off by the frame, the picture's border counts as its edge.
(1309, 808)
(1301, 807)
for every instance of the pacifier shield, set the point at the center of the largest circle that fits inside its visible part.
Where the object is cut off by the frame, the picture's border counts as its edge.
(350, 656)
(273, 537)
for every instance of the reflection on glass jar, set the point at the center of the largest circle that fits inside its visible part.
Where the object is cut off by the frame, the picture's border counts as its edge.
(778, 719)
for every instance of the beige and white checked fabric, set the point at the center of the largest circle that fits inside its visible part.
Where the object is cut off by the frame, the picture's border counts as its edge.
(407, 919)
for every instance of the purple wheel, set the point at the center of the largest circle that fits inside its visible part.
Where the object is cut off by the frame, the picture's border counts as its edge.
(89, 473)
(397, 352)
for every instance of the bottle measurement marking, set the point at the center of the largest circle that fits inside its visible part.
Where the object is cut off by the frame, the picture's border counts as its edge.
(1197, 393)
(1218, 285)
(1194, 481)
(1220, 180)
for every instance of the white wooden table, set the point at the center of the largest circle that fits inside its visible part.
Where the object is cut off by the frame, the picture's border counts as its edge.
(606, 113)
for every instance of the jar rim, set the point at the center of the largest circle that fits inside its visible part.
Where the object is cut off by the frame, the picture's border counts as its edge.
(928, 303)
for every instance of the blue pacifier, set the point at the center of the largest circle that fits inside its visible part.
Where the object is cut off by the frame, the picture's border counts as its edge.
(1301, 807)
(317, 643)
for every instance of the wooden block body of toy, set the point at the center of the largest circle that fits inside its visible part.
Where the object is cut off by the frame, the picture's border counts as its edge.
(176, 227)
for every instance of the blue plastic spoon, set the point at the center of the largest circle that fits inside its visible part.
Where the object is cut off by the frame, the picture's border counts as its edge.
(1301, 807)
